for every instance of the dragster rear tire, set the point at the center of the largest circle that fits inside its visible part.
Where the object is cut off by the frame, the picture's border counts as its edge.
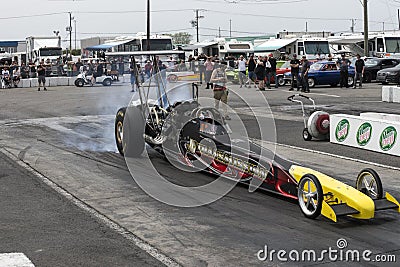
(133, 128)
(119, 123)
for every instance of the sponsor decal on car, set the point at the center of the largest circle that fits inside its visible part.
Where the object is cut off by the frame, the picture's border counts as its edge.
(364, 134)
(342, 130)
(227, 158)
(388, 138)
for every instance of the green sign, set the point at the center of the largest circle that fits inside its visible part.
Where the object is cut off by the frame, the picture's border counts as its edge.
(364, 134)
(342, 130)
(388, 138)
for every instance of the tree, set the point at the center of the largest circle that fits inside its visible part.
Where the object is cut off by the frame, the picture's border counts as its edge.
(181, 37)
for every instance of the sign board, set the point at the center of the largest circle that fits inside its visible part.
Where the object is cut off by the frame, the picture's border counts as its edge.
(372, 131)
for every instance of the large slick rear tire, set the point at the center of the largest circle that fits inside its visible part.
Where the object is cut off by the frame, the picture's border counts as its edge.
(119, 124)
(133, 127)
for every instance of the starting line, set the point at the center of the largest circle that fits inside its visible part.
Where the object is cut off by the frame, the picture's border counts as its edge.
(15, 260)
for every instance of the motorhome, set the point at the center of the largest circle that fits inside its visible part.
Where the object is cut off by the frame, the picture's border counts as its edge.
(312, 47)
(379, 44)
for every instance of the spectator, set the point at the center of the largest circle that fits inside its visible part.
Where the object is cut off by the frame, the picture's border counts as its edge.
(242, 70)
(121, 66)
(209, 67)
(272, 62)
(360, 66)
(41, 72)
(32, 69)
(201, 60)
(219, 79)
(16, 76)
(260, 74)
(171, 63)
(251, 66)
(148, 69)
(78, 65)
(305, 67)
(294, 70)
(24, 71)
(267, 66)
(191, 60)
(6, 76)
(330, 58)
(343, 65)
(134, 82)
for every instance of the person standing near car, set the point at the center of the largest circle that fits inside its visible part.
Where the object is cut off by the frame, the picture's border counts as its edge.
(241, 63)
(305, 67)
(209, 67)
(201, 60)
(41, 72)
(251, 66)
(272, 73)
(219, 79)
(360, 66)
(260, 74)
(294, 70)
(343, 65)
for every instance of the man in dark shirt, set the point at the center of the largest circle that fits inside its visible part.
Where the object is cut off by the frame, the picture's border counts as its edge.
(202, 70)
(251, 66)
(343, 65)
(305, 67)
(360, 65)
(272, 73)
(41, 71)
(294, 70)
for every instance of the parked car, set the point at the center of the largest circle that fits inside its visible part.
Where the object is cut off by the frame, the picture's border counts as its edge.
(389, 75)
(324, 73)
(373, 65)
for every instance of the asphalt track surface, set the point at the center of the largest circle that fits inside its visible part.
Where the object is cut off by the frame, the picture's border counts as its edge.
(63, 134)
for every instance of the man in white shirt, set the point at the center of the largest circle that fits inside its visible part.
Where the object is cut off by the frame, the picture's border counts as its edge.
(242, 70)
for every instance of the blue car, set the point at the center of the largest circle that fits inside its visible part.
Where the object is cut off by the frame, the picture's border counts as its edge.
(324, 73)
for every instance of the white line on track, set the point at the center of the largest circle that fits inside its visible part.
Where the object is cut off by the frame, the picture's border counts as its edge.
(143, 245)
(336, 96)
(15, 260)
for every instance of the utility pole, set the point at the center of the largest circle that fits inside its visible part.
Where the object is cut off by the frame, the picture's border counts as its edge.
(219, 32)
(148, 26)
(70, 34)
(197, 25)
(365, 5)
(383, 26)
(230, 28)
(352, 26)
(306, 26)
(75, 32)
(398, 17)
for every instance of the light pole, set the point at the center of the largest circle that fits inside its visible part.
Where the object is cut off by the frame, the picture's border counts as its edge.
(148, 26)
(75, 31)
(365, 5)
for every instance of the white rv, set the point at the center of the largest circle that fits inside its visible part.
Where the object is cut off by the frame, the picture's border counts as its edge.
(312, 47)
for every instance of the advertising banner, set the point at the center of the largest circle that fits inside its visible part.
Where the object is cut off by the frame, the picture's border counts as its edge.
(372, 131)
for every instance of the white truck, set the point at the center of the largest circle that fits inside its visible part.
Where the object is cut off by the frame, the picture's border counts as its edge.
(44, 48)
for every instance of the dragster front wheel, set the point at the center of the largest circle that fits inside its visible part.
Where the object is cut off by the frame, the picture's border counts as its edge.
(306, 135)
(369, 183)
(310, 196)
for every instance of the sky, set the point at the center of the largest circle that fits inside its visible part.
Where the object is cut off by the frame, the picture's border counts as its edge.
(247, 17)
